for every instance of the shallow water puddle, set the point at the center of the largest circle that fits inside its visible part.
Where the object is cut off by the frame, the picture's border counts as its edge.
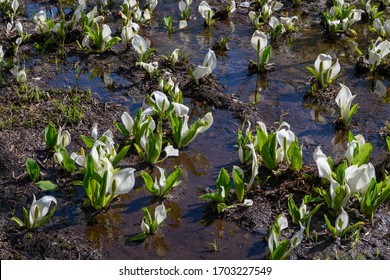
(187, 231)
(280, 93)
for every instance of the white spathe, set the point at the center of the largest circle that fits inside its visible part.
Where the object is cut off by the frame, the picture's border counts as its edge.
(358, 178)
(160, 214)
(39, 208)
(344, 100)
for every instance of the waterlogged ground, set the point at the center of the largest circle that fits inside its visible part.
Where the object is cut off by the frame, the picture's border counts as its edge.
(231, 94)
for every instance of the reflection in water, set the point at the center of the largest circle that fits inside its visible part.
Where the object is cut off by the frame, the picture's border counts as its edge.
(104, 228)
(174, 213)
(158, 244)
(379, 88)
(257, 96)
(339, 142)
(316, 115)
(194, 162)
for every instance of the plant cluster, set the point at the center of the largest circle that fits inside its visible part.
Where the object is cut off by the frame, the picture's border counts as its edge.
(341, 16)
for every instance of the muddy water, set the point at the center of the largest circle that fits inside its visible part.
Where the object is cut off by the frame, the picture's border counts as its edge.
(279, 93)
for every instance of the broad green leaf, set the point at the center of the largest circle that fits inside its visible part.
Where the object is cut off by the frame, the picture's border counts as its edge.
(268, 152)
(33, 170)
(176, 125)
(313, 72)
(340, 172)
(192, 132)
(223, 178)
(50, 136)
(341, 192)
(139, 237)
(112, 42)
(280, 252)
(148, 182)
(295, 155)
(155, 146)
(238, 179)
(261, 138)
(119, 156)
(173, 179)
(47, 186)
(363, 154)
(88, 141)
(351, 137)
(122, 129)
(294, 210)
(67, 161)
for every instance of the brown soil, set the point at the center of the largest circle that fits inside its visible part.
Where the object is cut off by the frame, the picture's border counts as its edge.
(24, 117)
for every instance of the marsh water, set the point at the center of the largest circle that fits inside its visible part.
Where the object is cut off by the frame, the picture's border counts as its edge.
(188, 232)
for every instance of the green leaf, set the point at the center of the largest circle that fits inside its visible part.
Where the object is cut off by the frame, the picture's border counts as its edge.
(351, 137)
(139, 237)
(140, 151)
(261, 138)
(324, 194)
(223, 178)
(340, 192)
(363, 154)
(47, 185)
(147, 216)
(149, 182)
(384, 193)
(221, 207)
(307, 218)
(330, 227)
(238, 179)
(122, 129)
(207, 196)
(268, 152)
(18, 221)
(26, 218)
(67, 161)
(340, 172)
(119, 156)
(388, 142)
(33, 170)
(295, 155)
(192, 132)
(47, 217)
(50, 136)
(352, 112)
(280, 252)
(172, 180)
(375, 195)
(112, 42)
(349, 228)
(155, 146)
(294, 210)
(313, 72)
(88, 141)
(176, 125)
